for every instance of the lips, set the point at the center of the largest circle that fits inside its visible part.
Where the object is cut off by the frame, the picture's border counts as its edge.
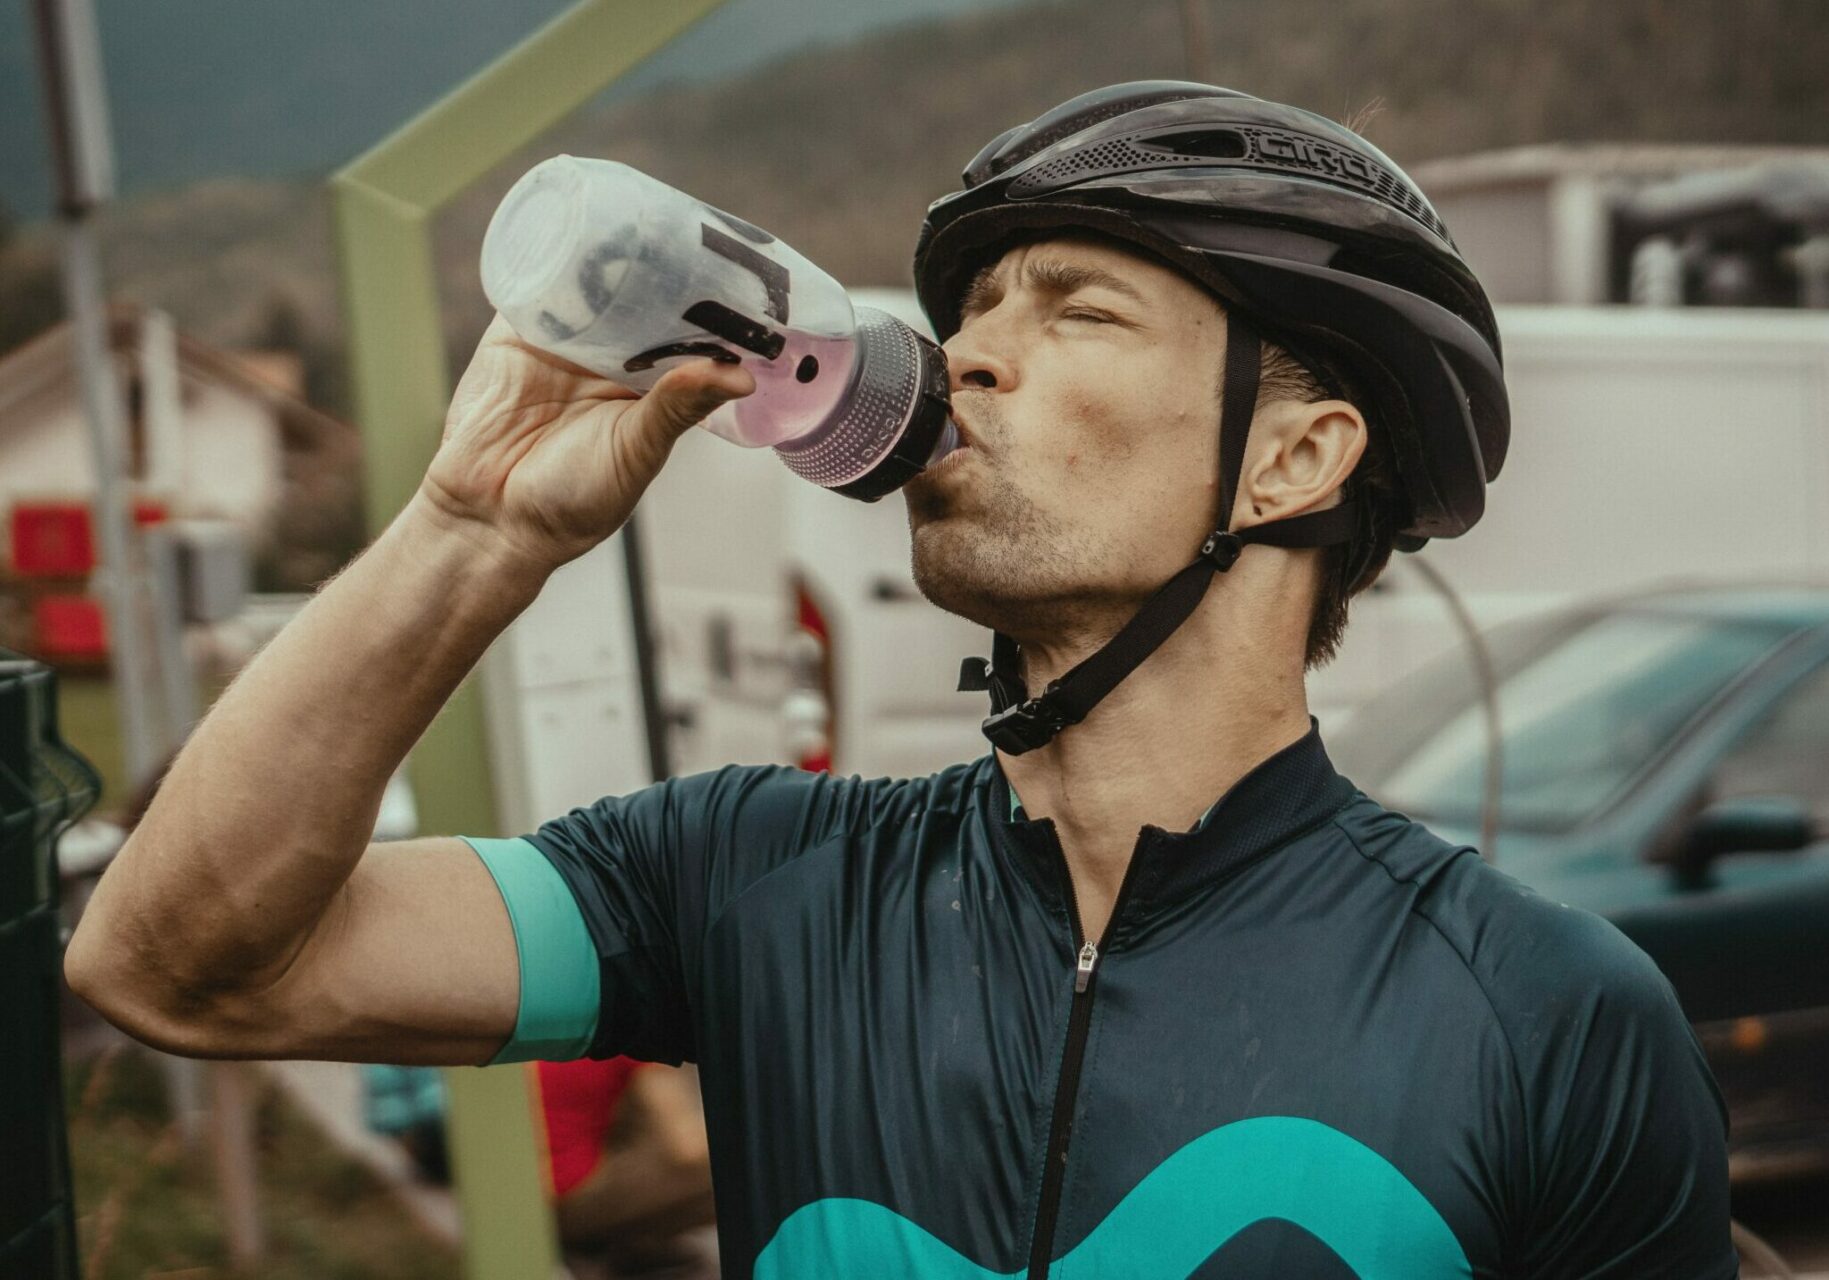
(942, 464)
(968, 436)
(967, 444)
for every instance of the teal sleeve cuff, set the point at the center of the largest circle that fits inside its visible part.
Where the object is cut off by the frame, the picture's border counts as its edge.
(560, 985)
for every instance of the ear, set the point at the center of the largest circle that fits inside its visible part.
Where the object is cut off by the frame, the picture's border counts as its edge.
(1298, 458)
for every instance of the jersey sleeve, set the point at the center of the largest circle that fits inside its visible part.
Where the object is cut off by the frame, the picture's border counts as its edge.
(1628, 1158)
(610, 902)
(557, 1017)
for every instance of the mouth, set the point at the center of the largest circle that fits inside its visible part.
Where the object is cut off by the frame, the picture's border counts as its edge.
(968, 435)
(944, 467)
(967, 444)
(951, 458)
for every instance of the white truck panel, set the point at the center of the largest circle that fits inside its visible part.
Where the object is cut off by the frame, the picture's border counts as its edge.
(1648, 446)
(561, 697)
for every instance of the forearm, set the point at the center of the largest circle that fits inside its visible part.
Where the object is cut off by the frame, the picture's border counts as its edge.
(273, 800)
(654, 1180)
(635, 1192)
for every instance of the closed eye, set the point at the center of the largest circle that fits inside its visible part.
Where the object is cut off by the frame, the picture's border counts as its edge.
(1097, 317)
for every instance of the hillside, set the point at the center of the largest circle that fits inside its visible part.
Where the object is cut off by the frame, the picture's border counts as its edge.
(839, 150)
(265, 89)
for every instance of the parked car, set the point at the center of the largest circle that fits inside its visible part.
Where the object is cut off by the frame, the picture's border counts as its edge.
(1665, 763)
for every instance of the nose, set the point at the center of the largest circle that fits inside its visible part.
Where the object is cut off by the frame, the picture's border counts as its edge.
(977, 360)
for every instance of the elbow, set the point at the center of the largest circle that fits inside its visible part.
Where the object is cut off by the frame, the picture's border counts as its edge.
(138, 999)
(87, 970)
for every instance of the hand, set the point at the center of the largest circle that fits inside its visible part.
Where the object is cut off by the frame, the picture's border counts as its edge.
(550, 456)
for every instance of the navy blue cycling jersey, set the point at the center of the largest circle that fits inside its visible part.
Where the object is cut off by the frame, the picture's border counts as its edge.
(1315, 1040)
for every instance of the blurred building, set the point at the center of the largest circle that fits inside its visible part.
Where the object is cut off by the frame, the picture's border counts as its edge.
(1582, 224)
(211, 435)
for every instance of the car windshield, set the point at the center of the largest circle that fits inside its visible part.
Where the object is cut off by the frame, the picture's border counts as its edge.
(1585, 702)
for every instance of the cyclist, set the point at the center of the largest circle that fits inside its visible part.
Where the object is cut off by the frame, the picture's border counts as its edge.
(1150, 989)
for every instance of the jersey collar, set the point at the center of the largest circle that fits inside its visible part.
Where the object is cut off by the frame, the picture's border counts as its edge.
(1287, 794)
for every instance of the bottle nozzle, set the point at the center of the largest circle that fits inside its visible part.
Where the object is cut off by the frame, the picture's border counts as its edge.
(948, 441)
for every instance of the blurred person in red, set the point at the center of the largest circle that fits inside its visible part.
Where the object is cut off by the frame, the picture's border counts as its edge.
(629, 1167)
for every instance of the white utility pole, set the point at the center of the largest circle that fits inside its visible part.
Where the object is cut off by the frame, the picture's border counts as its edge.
(82, 152)
(1194, 44)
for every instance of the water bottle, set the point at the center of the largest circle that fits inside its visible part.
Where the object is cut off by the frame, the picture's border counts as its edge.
(601, 264)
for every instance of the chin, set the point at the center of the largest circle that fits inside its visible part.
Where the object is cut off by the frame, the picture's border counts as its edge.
(928, 499)
(941, 558)
(970, 572)
(987, 552)
(960, 568)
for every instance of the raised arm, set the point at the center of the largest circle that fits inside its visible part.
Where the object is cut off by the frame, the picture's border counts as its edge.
(248, 915)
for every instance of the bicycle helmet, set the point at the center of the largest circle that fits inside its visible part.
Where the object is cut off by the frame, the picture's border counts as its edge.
(1306, 233)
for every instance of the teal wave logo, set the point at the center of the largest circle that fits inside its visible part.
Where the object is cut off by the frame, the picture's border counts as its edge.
(1335, 1188)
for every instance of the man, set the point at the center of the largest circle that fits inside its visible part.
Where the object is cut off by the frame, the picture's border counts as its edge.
(1151, 989)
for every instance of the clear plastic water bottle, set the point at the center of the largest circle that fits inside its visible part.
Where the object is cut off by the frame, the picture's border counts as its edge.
(613, 270)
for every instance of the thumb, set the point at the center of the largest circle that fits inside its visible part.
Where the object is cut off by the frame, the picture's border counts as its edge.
(685, 396)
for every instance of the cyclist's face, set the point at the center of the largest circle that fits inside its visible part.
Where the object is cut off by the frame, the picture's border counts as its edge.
(1086, 378)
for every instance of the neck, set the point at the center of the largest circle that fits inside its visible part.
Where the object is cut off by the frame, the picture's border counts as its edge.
(1221, 695)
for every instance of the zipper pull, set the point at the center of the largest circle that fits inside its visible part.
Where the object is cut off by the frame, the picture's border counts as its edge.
(1089, 956)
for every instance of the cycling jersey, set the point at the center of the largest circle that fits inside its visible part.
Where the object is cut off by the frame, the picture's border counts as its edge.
(1315, 1040)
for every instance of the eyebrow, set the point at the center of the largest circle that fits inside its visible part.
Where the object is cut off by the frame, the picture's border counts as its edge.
(1044, 275)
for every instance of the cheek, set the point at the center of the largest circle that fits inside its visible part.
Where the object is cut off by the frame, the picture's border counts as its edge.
(1083, 415)
(1128, 453)
(1141, 429)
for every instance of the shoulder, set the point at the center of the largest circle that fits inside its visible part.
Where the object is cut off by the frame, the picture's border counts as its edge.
(762, 811)
(1620, 1167)
(812, 805)
(1544, 966)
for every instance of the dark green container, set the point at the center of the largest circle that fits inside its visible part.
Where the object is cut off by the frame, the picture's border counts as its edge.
(44, 788)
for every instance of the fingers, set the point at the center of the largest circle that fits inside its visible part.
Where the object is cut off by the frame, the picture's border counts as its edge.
(689, 393)
(685, 395)
(501, 334)
(558, 364)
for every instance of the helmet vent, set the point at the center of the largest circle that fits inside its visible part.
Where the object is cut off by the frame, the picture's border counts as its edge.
(1244, 146)
(1210, 144)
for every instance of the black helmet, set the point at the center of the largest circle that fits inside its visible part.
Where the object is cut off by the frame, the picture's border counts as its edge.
(1305, 231)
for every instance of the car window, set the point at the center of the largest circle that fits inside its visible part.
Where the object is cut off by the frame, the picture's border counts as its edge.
(1582, 715)
(1786, 753)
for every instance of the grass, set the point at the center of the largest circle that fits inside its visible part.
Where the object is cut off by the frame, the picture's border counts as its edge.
(87, 719)
(147, 1208)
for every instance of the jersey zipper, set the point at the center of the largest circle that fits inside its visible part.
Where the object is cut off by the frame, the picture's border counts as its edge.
(1067, 1086)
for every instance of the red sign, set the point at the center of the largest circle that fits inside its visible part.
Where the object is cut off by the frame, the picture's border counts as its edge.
(69, 626)
(57, 539)
(52, 540)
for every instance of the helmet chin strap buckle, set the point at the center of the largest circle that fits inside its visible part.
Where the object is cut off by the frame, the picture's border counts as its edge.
(976, 675)
(1222, 549)
(1027, 725)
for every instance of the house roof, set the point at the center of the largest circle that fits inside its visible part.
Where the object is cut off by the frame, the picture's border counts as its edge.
(50, 359)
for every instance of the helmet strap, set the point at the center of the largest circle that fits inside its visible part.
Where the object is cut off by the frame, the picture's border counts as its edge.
(1019, 723)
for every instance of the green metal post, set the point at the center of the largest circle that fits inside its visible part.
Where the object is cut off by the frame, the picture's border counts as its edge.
(384, 201)
(44, 788)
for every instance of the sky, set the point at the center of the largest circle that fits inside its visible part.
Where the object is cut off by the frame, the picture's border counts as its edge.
(206, 88)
